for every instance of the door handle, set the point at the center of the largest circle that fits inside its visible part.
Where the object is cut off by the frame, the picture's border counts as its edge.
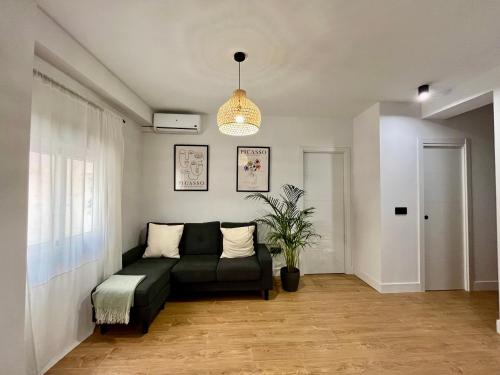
(426, 217)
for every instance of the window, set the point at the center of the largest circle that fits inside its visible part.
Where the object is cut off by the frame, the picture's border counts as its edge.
(67, 228)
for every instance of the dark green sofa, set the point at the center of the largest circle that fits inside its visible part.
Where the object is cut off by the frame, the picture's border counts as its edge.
(199, 269)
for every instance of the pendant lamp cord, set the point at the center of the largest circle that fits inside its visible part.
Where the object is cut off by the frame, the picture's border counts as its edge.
(239, 75)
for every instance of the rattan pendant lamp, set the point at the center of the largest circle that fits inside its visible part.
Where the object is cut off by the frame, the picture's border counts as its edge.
(239, 116)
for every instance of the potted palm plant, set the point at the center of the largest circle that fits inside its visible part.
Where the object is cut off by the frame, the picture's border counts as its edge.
(289, 230)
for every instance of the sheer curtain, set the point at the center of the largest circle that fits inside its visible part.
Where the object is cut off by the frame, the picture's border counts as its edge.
(74, 217)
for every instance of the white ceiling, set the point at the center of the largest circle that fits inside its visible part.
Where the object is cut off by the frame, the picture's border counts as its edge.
(315, 57)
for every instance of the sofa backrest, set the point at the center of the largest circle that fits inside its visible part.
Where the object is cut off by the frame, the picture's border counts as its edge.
(238, 225)
(204, 238)
(201, 238)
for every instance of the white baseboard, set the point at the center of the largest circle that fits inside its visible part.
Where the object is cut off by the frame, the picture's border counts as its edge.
(414, 286)
(485, 285)
(406, 287)
(369, 280)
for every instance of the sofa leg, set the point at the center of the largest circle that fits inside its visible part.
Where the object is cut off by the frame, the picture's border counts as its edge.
(145, 327)
(162, 306)
(103, 328)
(266, 294)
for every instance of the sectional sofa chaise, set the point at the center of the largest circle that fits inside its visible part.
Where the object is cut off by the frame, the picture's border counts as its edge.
(199, 269)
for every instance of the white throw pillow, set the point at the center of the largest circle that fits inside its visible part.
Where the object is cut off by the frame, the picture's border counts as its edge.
(163, 240)
(237, 242)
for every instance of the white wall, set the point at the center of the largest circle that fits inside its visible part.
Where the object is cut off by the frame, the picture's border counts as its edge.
(478, 126)
(284, 135)
(16, 63)
(366, 196)
(132, 193)
(400, 129)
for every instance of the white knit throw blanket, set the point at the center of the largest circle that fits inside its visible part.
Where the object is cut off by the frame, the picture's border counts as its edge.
(114, 298)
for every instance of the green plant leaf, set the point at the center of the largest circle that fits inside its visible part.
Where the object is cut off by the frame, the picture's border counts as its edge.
(290, 228)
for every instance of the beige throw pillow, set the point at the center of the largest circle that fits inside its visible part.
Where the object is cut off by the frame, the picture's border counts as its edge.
(163, 241)
(237, 242)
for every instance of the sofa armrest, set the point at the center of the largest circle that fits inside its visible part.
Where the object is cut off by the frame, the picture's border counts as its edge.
(266, 265)
(132, 255)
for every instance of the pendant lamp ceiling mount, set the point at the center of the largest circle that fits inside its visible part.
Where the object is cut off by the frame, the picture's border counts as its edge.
(239, 57)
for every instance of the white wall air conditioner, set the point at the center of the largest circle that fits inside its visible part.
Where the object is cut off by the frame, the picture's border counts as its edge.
(176, 123)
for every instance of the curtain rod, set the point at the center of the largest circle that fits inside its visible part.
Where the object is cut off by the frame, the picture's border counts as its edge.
(38, 73)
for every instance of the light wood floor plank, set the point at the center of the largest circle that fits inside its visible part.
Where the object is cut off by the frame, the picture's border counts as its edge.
(335, 324)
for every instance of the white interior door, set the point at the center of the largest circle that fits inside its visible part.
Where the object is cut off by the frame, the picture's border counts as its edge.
(444, 218)
(324, 186)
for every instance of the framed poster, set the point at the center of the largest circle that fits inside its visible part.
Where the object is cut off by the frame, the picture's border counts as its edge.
(253, 168)
(191, 167)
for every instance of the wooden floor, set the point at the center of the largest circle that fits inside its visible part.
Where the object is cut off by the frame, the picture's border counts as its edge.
(334, 324)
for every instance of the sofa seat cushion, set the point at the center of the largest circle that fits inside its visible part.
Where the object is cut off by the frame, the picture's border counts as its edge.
(238, 269)
(157, 271)
(195, 269)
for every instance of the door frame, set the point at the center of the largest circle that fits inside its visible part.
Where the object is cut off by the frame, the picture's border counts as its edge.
(464, 145)
(346, 156)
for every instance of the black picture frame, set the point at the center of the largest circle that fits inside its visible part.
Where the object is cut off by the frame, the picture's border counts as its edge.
(268, 187)
(207, 169)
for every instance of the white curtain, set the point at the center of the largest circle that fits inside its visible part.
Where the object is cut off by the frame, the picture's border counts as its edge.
(74, 217)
